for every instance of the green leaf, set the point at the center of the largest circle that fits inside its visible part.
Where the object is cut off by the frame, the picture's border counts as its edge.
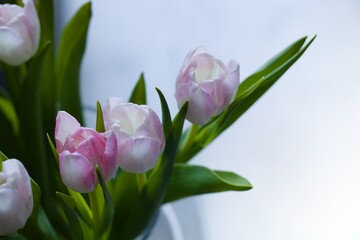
(48, 79)
(166, 116)
(15, 236)
(2, 158)
(34, 227)
(99, 118)
(148, 203)
(138, 95)
(53, 149)
(68, 204)
(124, 184)
(7, 108)
(71, 50)
(31, 126)
(108, 212)
(237, 108)
(82, 208)
(36, 198)
(190, 180)
(271, 65)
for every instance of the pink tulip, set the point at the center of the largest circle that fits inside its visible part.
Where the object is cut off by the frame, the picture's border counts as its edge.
(138, 132)
(19, 31)
(16, 199)
(80, 151)
(207, 84)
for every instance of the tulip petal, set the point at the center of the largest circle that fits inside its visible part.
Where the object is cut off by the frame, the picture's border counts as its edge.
(9, 11)
(11, 211)
(15, 196)
(31, 20)
(138, 155)
(151, 126)
(108, 164)
(10, 43)
(201, 103)
(65, 125)
(77, 172)
(111, 102)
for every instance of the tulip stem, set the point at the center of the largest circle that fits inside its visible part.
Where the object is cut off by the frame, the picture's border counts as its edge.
(94, 203)
(190, 138)
(141, 180)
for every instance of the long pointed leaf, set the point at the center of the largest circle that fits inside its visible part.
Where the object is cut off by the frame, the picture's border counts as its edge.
(71, 50)
(271, 65)
(166, 116)
(234, 112)
(68, 204)
(138, 95)
(108, 212)
(2, 158)
(190, 180)
(99, 118)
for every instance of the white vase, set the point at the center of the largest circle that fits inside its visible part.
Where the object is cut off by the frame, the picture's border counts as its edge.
(167, 226)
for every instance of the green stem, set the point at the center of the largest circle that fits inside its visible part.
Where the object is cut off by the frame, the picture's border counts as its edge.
(13, 81)
(189, 141)
(95, 208)
(141, 180)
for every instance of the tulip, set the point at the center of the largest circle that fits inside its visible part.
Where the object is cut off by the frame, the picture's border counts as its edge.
(80, 151)
(16, 200)
(19, 31)
(138, 132)
(207, 84)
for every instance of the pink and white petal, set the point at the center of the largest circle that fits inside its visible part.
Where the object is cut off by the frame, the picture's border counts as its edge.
(232, 81)
(205, 66)
(201, 107)
(108, 164)
(27, 48)
(151, 127)
(110, 103)
(138, 155)
(11, 202)
(215, 89)
(183, 93)
(17, 172)
(233, 66)
(189, 55)
(92, 147)
(187, 74)
(10, 46)
(10, 11)
(65, 125)
(77, 172)
(31, 20)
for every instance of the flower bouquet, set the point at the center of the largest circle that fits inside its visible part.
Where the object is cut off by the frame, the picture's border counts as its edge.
(62, 180)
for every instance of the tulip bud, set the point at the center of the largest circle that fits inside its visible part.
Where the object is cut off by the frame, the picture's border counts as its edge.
(80, 151)
(19, 31)
(16, 200)
(138, 132)
(207, 84)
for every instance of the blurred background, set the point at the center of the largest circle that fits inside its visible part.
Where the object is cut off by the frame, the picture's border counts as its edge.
(299, 145)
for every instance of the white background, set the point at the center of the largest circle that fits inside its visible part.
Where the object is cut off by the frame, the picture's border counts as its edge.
(299, 145)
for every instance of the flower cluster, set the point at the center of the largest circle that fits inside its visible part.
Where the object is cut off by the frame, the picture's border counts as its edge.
(133, 141)
(138, 161)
